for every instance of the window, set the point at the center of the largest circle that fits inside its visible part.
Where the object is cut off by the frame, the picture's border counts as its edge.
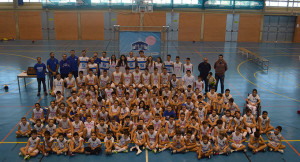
(185, 2)
(162, 1)
(6, 1)
(283, 3)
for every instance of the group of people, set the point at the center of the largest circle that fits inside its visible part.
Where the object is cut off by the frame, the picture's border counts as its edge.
(143, 104)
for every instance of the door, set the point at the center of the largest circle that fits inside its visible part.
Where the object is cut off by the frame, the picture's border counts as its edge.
(232, 27)
(172, 20)
(48, 26)
(278, 28)
(110, 19)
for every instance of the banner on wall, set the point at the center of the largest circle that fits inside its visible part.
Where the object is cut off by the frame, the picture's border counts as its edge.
(149, 42)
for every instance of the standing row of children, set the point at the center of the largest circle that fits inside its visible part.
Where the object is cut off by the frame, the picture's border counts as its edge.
(148, 110)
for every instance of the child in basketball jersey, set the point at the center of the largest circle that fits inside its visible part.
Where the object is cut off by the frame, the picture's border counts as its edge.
(24, 128)
(163, 140)
(108, 92)
(232, 106)
(103, 80)
(137, 78)
(69, 83)
(204, 130)
(82, 92)
(205, 149)
(146, 115)
(141, 61)
(155, 79)
(76, 144)
(199, 84)
(80, 80)
(114, 126)
(202, 111)
(61, 145)
(169, 65)
(174, 83)
(89, 127)
(116, 77)
(122, 142)
(53, 111)
(131, 61)
(127, 124)
(101, 129)
(139, 139)
(94, 113)
(211, 80)
(165, 78)
(77, 126)
(222, 144)
(124, 111)
(39, 127)
(178, 68)
(226, 96)
(127, 78)
(59, 98)
(152, 139)
(194, 126)
(159, 65)
(82, 62)
(94, 93)
(114, 110)
(94, 145)
(47, 146)
(37, 113)
(74, 98)
(62, 110)
(93, 66)
(189, 92)
(31, 148)
(150, 64)
(189, 104)
(51, 127)
(182, 124)
(217, 129)
(58, 85)
(170, 126)
(91, 79)
(249, 122)
(65, 126)
(218, 104)
(190, 142)
(156, 122)
(275, 140)
(178, 143)
(134, 114)
(187, 66)
(256, 143)
(185, 111)
(212, 118)
(146, 79)
(263, 123)
(228, 120)
(236, 139)
(120, 91)
(104, 63)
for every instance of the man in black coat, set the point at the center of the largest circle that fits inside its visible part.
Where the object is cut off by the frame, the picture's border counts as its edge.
(204, 68)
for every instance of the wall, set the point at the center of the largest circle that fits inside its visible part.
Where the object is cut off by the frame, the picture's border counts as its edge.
(189, 26)
(8, 25)
(214, 27)
(30, 25)
(297, 31)
(66, 25)
(249, 28)
(92, 25)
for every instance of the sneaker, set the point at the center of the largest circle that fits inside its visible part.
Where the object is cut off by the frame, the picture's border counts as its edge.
(270, 149)
(245, 150)
(38, 94)
(264, 150)
(20, 154)
(208, 157)
(115, 151)
(155, 151)
(139, 152)
(174, 152)
(131, 149)
(187, 151)
(27, 157)
(125, 151)
(281, 151)
(144, 147)
(46, 154)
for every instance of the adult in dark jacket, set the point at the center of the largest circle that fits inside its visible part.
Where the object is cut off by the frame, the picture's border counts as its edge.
(204, 68)
(220, 69)
(65, 67)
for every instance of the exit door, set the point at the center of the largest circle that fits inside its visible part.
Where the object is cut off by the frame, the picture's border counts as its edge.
(48, 26)
(232, 27)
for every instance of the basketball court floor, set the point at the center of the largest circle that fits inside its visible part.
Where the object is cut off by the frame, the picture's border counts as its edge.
(279, 89)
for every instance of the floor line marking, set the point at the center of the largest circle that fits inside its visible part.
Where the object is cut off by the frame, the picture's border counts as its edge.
(285, 77)
(15, 89)
(291, 146)
(238, 69)
(5, 68)
(20, 121)
(18, 55)
(267, 81)
(146, 155)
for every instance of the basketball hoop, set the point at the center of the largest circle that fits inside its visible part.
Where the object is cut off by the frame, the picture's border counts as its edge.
(142, 6)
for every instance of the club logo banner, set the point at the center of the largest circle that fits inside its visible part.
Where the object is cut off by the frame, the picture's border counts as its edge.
(149, 42)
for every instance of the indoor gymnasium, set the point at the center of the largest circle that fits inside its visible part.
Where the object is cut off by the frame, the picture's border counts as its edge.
(149, 80)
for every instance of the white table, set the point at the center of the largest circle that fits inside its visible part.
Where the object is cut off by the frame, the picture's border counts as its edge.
(24, 75)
